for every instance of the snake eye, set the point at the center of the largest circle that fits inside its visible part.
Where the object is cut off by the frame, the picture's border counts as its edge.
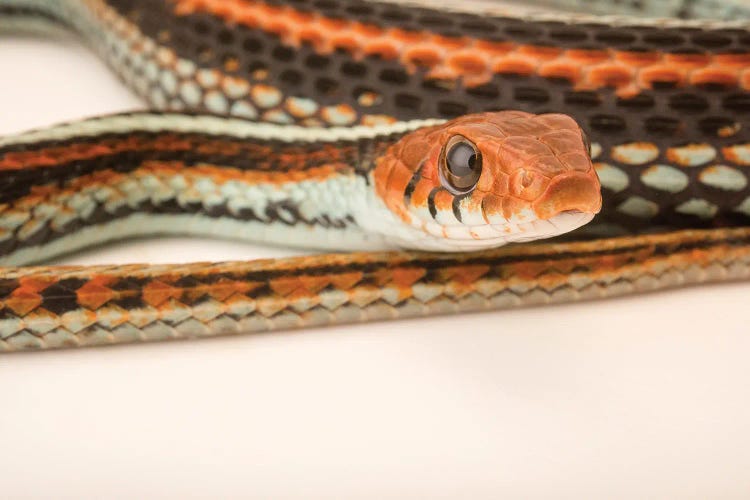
(460, 165)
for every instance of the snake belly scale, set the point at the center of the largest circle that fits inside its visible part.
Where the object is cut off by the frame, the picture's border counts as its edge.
(345, 124)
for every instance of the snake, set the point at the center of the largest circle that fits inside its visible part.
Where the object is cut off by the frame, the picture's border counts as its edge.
(417, 138)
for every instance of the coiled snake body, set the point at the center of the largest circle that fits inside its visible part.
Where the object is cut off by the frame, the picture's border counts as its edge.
(358, 125)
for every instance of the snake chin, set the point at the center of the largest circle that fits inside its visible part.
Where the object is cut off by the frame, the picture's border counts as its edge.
(520, 232)
(469, 238)
(562, 223)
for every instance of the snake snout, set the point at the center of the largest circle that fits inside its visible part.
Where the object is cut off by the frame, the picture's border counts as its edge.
(568, 192)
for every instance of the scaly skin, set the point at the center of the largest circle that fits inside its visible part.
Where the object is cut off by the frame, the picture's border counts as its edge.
(664, 104)
(51, 307)
(357, 188)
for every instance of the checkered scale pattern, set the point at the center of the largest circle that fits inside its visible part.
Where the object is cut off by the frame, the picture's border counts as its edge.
(44, 307)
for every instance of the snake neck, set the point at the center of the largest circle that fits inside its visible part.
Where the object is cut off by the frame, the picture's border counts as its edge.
(86, 183)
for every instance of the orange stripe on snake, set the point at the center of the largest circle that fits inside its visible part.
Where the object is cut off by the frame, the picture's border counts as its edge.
(476, 60)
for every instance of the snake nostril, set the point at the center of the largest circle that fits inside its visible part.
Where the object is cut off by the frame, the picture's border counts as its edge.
(527, 184)
(527, 179)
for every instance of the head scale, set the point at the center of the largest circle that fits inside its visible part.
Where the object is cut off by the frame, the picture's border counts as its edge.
(487, 179)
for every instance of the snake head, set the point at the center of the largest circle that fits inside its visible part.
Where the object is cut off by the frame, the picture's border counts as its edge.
(487, 179)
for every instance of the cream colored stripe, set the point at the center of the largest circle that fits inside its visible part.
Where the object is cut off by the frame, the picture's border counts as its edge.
(212, 125)
(555, 11)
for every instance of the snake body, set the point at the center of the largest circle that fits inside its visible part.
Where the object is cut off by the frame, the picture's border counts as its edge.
(349, 92)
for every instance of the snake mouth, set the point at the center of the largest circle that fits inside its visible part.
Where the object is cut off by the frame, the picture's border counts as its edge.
(561, 223)
(502, 232)
(569, 220)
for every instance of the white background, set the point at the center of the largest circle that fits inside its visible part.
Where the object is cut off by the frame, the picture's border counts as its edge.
(643, 397)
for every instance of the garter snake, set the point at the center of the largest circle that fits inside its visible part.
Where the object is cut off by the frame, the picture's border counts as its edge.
(366, 125)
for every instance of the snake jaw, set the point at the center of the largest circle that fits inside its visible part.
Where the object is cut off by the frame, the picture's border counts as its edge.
(528, 176)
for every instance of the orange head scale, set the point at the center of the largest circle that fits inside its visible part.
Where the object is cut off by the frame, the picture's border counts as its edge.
(487, 179)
